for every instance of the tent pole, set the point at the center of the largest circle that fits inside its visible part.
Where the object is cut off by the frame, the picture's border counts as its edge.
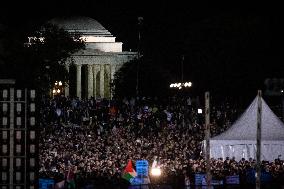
(207, 138)
(258, 141)
(282, 99)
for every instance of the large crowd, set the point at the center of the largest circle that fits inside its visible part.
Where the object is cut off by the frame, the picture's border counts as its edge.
(95, 138)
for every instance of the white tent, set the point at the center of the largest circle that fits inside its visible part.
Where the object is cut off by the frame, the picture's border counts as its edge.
(239, 140)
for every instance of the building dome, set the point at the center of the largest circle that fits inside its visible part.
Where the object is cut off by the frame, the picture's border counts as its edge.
(81, 24)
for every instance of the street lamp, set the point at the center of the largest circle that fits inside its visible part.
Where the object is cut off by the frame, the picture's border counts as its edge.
(57, 89)
(282, 99)
(140, 22)
(181, 85)
(47, 72)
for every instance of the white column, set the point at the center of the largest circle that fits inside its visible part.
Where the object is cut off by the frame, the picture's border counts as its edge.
(112, 72)
(67, 85)
(107, 81)
(78, 81)
(95, 71)
(102, 80)
(90, 81)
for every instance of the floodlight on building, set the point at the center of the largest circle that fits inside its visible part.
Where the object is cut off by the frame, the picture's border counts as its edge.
(282, 91)
(53, 91)
(156, 171)
(55, 83)
(60, 83)
(58, 91)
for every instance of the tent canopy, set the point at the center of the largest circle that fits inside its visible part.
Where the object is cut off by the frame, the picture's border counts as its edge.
(245, 127)
(239, 140)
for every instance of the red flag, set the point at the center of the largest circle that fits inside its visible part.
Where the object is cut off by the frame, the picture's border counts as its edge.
(129, 172)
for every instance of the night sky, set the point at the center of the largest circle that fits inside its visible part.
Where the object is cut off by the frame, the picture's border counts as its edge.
(227, 50)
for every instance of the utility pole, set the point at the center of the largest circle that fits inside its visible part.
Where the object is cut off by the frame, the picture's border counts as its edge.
(207, 138)
(282, 100)
(140, 22)
(182, 60)
(258, 140)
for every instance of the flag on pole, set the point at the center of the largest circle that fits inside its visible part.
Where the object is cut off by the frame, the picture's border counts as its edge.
(156, 162)
(129, 172)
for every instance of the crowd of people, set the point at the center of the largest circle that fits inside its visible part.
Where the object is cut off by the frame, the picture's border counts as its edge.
(95, 138)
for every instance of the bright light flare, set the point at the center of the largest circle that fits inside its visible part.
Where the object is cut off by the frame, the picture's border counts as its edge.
(180, 85)
(156, 171)
(199, 111)
(187, 84)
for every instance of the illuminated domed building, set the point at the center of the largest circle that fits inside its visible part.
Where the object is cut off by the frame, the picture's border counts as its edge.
(97, 63)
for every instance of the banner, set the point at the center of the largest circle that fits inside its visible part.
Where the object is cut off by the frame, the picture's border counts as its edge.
(213, 182)
(265, 177)
(142, 168)
(198, 178)
(46, 183)
(234, 179)
(137, 181)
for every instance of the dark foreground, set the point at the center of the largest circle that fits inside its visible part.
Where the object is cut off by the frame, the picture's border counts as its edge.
(165, 186)
(270, 186)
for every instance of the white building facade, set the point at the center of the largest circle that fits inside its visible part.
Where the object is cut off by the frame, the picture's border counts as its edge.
(96, 65)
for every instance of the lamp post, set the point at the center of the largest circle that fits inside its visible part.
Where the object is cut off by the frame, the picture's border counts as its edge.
(140, 21)
(47, 70)
(181, 85)
(282, 100)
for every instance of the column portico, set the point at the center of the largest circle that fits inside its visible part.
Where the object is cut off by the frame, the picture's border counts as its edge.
(67, 85)
(95, 84)
(90, 81)
(78, 81)
(96, 64)
(102, 80)
(112, 72)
